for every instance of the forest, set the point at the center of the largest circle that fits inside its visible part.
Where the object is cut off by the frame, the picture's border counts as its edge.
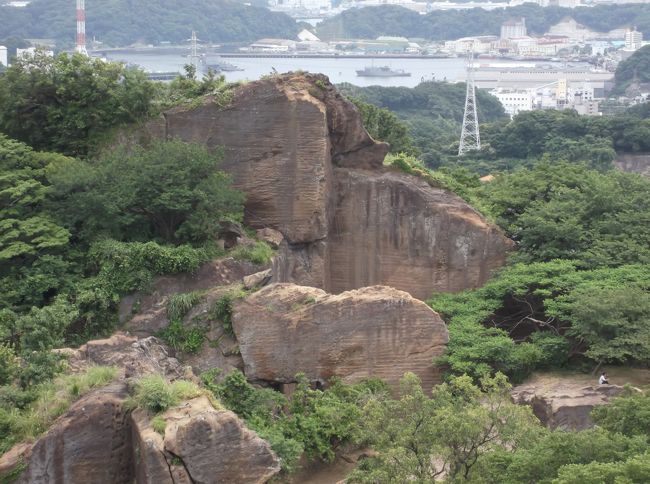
(371, 22)
(85, 222)
(122, 22)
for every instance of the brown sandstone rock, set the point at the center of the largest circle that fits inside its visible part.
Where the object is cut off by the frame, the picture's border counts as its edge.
(90, 443)
(215, 447)
(270, 236)
(285, 329)
(309, 169)
(562, 403)
(135, 357)
(258, 279)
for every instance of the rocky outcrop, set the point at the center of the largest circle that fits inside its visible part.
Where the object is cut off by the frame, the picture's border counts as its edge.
(564, 404)
(134, 357)
(633, 163)
(285, 329)
(100, 441)
(201, 445)
(90, 443)
(309, 169)
(146, 313)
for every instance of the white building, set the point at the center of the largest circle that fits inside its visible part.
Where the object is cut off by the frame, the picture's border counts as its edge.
(515, 101)
(4, 58)
(478, 45)
(513, 28)
(633, 39)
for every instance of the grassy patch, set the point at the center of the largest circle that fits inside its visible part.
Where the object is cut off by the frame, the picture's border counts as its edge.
(53, 400)
(183, 338)
(159, 424)
(155, 395)
(258, 253)
(179, 305)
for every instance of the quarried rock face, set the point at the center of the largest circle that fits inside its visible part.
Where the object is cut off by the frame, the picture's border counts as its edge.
(563, 404)
(284, 329)
(393, 229)
(310, 170)
(215, 447)
(90, 443)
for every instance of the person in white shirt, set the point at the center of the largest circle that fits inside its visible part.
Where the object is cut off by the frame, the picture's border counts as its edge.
(603, 379)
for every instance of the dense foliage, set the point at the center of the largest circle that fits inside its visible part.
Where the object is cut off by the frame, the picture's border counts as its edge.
(123, 22)
(65, 103)
(371, 22)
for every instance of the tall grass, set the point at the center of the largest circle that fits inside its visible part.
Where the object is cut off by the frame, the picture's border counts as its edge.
(179, 305)
(154, 394)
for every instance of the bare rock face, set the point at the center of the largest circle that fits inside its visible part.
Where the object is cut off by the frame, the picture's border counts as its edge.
(212, 446)
(633, 163)
(564, 404)
(285, 329)
(310, 171)
(135, 357)
(393, 229)
(90, 443)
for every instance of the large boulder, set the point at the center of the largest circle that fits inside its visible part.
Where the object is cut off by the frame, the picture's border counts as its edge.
(310, 170)
(202, 445)
(284, 329)
(562, 403)
(91, 442)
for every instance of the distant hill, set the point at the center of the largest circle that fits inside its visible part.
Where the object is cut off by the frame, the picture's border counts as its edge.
(124, 22)
(371, 22)
(633, 71)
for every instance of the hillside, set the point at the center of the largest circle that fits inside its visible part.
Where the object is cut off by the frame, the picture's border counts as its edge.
(213, 282)
(123, 22)
(371, 22)
(432, 112)
(633, 71)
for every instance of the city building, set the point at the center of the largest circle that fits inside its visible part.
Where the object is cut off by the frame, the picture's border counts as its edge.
(513, 28)
(633, 39)
(4, 58)
(515, 101)
(31, 51)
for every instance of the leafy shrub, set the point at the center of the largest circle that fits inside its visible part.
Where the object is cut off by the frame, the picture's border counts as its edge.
(8, 364)
(222, 311)
(627, 414)
(183, 338)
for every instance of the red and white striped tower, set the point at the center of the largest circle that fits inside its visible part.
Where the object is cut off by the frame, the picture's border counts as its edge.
(81, 27)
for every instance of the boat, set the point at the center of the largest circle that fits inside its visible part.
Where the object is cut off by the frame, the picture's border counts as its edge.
(218, 65)
(383, 71)
(162, 75)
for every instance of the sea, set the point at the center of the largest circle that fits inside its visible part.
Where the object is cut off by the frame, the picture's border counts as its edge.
(338, 69)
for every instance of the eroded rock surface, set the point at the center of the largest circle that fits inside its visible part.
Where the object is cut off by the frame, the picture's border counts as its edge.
(284, 329)
(133, 356)
(310, 170)
(215, 447)
(562, 403)
(90, 443)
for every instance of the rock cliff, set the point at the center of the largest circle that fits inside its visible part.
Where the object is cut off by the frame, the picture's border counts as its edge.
(285, 329)
(309, 169)
(563, 403)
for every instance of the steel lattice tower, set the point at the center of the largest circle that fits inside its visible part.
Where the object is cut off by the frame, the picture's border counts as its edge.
(470, 138)
(81, 27)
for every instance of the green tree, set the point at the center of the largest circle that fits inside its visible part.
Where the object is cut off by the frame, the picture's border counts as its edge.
(627, 414)
(67, 103)
(419, 438)
(170, 191)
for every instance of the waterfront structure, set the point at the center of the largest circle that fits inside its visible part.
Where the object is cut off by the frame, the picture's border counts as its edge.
(4, 58)
(81, 27)
(470, 137)
(513, 28)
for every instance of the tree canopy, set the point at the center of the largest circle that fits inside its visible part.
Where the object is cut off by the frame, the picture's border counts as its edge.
(635, 68)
